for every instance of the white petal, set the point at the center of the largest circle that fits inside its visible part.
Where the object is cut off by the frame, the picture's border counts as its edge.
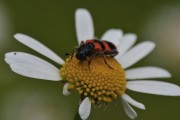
(131, 101)
(38, 47)
(136, 53)
(154, 87)
(113, 35)
(85, 108)
(129, 110)
(84, 25)
(31, 66)
(127, 42)
(147, 72)
(65, 90)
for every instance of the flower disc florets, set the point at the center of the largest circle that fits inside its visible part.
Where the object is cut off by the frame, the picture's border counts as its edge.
(96, 80)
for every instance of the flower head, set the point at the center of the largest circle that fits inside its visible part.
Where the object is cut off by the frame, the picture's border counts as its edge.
(97, 83)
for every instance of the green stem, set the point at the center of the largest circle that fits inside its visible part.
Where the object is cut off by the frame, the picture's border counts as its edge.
(77, 117)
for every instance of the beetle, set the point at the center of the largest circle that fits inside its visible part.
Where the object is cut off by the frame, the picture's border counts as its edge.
(94, 47)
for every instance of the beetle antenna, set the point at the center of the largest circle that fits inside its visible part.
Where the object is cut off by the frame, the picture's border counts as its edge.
(67, 54)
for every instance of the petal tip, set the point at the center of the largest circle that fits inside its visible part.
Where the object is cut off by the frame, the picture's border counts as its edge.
(6, 54)
(169, 75)
(85, 108)
(9, 55)
(6, 60)
(178, 94)
(131, 35)
(65, 89)
(81, 10)
(153, 44)
(17, 35)
(143, 107)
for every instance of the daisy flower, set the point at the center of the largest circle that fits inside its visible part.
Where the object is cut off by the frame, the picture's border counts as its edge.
(97, 83)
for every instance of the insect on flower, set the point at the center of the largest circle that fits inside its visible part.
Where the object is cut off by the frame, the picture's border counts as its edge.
(94, 47)
(100, 85)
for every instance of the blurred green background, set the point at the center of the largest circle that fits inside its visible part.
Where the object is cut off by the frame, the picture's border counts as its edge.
(52, 23)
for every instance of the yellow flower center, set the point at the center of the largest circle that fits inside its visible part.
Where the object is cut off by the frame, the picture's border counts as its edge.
(97, 81)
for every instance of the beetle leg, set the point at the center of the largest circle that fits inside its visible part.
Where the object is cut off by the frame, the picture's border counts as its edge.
(92, 56)
(104, 58)
(66, 54)
(75, 48)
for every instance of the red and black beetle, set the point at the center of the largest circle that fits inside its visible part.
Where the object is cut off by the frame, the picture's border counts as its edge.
(94, 47)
